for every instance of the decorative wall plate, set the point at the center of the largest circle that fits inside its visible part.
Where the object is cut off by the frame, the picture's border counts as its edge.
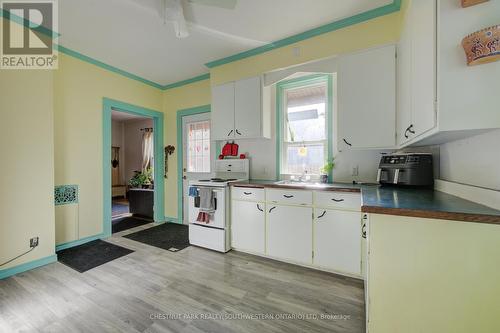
(468, 3)
(482, 46)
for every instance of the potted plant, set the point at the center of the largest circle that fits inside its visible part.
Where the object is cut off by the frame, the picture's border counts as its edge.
(141, 179)
(325, 171)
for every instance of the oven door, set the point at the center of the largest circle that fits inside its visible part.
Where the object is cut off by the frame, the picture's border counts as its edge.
(217, 219)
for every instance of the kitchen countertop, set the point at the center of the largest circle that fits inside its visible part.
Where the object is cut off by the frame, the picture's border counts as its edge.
(400, 201)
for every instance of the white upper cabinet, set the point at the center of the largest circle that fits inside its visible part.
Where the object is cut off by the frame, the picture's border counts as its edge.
(367, 99)
(237, 110)
(440, 98)
(248, 104)
(222, 113)
(417, 72)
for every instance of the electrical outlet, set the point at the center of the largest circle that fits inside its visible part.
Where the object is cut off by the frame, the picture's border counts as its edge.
(355, 170)
(34, 242)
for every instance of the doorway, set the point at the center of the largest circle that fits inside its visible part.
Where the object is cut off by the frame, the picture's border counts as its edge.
(110, 154)
(132, 163)
(196, 153)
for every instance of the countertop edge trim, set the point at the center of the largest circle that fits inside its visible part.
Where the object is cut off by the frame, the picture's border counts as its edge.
(440, 215)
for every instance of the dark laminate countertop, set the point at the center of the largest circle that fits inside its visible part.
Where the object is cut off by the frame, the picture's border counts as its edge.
(413, 202)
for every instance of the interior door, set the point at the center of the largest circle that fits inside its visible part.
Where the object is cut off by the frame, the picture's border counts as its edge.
(198, 154)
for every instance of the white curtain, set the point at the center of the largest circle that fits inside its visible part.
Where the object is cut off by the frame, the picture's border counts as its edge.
(147, 149)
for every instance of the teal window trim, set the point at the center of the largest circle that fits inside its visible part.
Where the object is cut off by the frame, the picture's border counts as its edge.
(180, 163)
(296, 83)
(159, 161)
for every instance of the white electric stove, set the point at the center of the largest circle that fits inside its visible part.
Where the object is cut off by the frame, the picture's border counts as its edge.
(215, 234)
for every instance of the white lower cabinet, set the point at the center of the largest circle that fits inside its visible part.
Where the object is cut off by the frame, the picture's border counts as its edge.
(289, 233)
(337, 240)
(282, 226)
(248, 226)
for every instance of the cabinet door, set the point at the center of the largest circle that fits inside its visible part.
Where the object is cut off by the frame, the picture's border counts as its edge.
(367, 99)
(248, 226)
(423, 13)
(248, 108)
(404, 118)
(222, 114)
(289, 233)
(337, 240)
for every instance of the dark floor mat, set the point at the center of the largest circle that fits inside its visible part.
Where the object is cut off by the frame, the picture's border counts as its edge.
(92, 254)
(168, 236)
(128, 222)
(119, 209)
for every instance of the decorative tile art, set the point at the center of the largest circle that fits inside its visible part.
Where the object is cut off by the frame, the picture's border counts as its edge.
(65, 194)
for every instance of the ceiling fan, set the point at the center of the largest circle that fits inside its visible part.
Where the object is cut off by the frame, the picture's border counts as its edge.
(172, 11)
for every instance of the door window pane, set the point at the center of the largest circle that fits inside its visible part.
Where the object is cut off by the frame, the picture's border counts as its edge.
(198, 150)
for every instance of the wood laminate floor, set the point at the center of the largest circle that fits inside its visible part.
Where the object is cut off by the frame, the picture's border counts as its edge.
(201, 291)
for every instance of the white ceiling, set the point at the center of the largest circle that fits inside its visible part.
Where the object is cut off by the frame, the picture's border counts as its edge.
(130, 35)
(124, 116)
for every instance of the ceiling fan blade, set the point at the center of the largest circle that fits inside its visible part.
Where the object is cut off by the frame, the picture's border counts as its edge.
(174, 13)
(226, 36)
(227, 4)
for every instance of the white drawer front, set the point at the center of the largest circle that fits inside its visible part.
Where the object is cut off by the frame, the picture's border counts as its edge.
(230, 166)
(247, 193)
(210, 238)
(338, 199)
(294, 197)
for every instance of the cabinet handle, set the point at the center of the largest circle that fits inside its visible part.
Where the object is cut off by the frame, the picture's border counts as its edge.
(258, 207)
(247, 193)
(347, 143)
(363, 230)
(231, 131)
(322, 214)
(337, 200)
(410, 129)
(238, 132)
(406, 132)
(270, 210)
(288, 196)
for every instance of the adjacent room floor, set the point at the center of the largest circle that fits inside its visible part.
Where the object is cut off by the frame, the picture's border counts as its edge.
(138, 292)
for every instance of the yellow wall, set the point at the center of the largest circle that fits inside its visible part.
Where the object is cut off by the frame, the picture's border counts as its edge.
(433, 276)
(27, 171)
(79, 88)
(184, 97)
(378, 31)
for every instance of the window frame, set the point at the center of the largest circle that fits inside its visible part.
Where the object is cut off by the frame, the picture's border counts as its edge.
(203, 139)
(303, 81)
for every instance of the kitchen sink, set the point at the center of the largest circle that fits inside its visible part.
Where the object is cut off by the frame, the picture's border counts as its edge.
(299, 183)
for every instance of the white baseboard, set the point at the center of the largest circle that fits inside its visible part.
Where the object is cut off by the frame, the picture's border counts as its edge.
(480, 195)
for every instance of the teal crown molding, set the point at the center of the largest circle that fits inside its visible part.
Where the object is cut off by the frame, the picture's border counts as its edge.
(129, 75)
(27, 23)
(336, 25)
(65, 194)
(188, 81)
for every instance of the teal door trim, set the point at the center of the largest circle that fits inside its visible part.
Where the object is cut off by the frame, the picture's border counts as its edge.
(180, 160)
(159, 162)
(296, 83)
